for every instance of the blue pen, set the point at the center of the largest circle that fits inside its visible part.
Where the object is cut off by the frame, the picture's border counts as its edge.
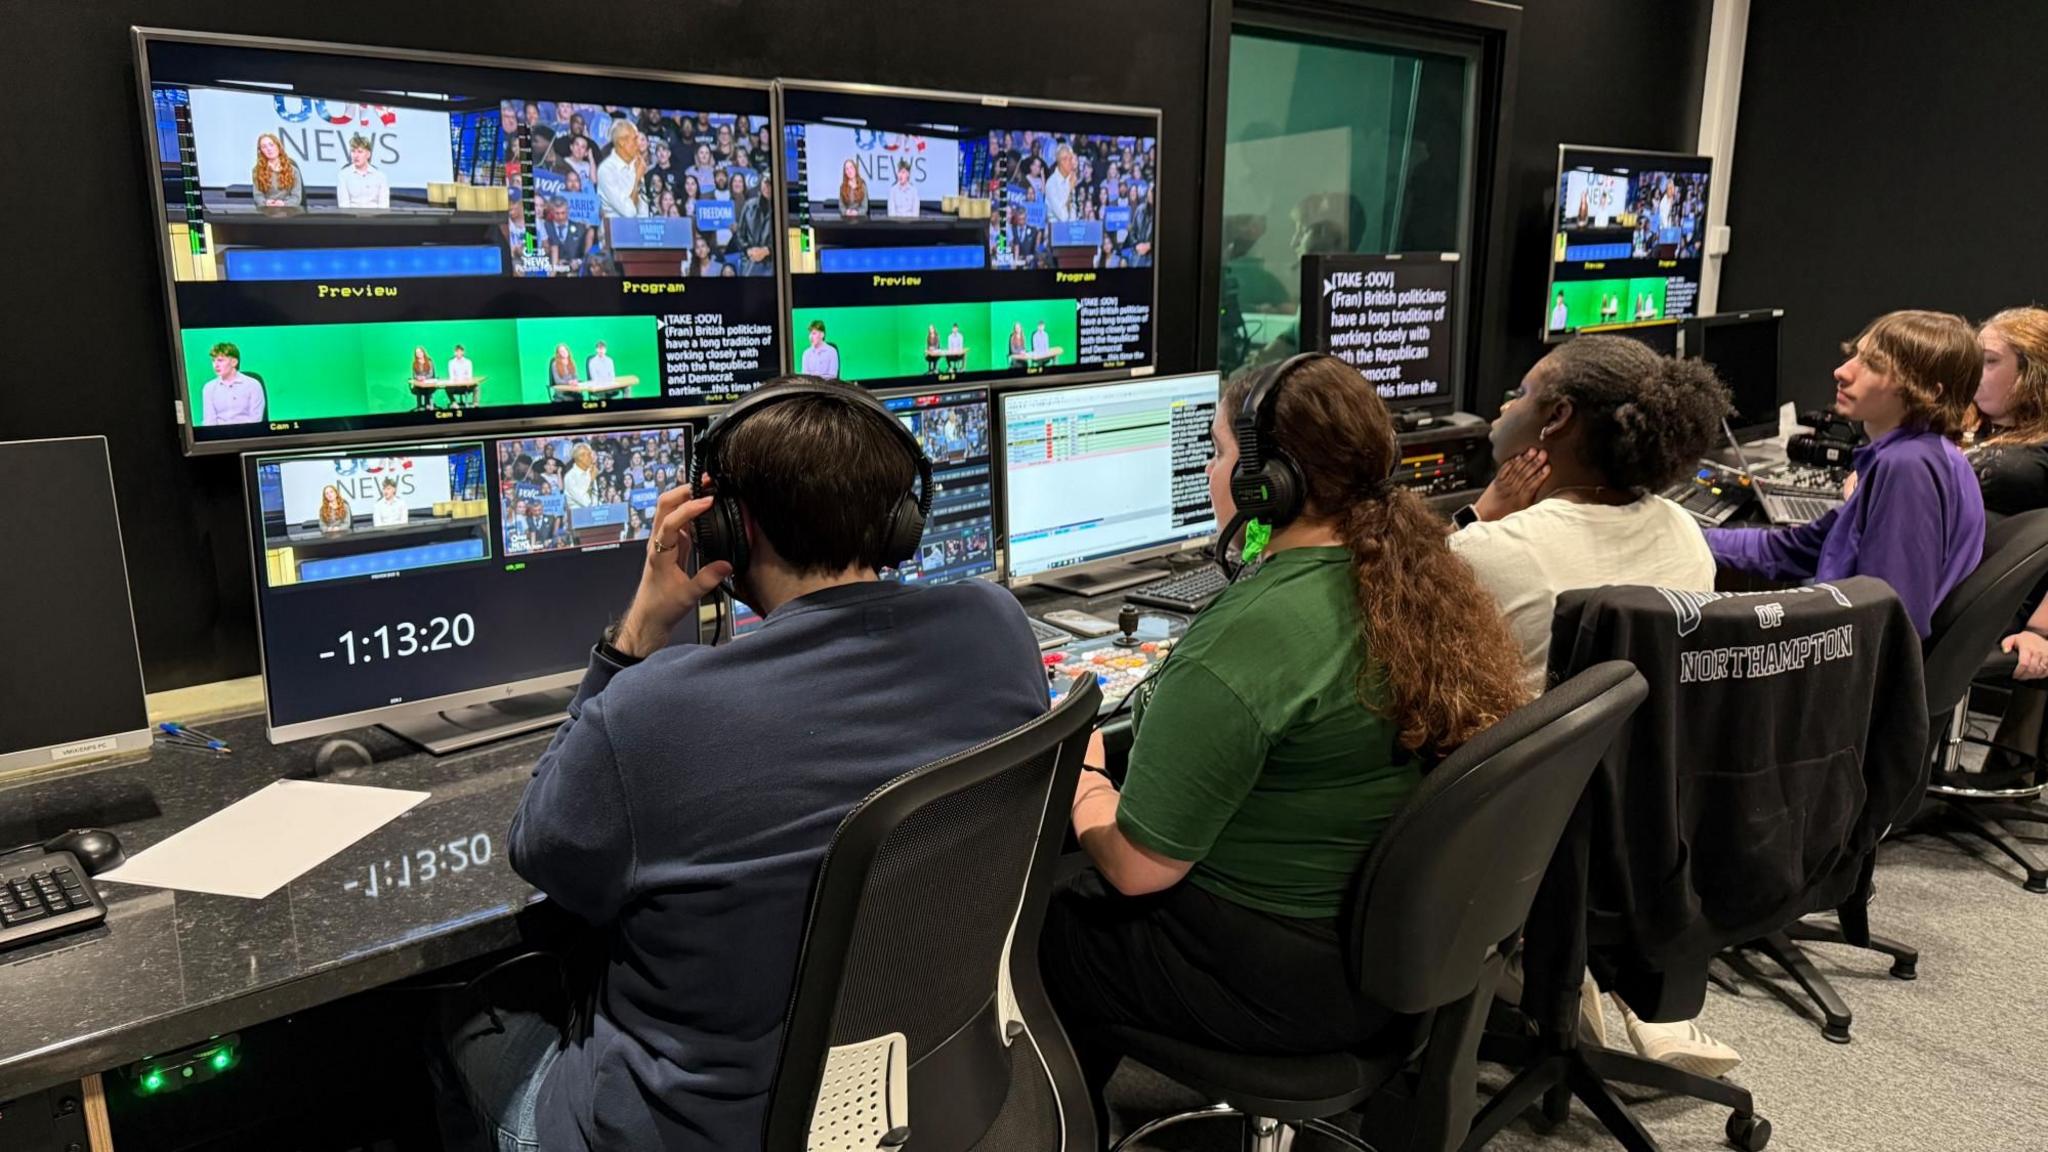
(194, 737)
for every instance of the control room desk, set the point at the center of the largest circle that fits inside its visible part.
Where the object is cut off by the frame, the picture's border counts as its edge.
(169, 969)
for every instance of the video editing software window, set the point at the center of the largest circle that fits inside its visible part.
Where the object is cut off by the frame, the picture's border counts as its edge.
(1106, 471)
(359, 239)
(1630, 238)
(393, 574)
(956, 239)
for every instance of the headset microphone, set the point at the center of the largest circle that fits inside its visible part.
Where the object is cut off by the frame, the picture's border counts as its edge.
(1266, 485)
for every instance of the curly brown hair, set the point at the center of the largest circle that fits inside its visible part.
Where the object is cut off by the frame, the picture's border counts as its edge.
(1412, 590)
(1934, 357)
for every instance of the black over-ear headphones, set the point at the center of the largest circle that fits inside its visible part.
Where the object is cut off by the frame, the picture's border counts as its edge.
(721, 533)
(1267, 484)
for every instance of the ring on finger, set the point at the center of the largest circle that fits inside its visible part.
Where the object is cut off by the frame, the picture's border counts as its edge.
(659, 547)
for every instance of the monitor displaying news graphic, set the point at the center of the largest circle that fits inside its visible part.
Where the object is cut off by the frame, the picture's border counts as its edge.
(959, 536)
(333, 185)
(385, 585)
(951, 238)
(1630, 238)
(586, 490)
(1104, 472)
(1392, 317)
(361, 515)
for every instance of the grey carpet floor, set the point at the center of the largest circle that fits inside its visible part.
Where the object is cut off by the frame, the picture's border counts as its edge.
(1955, 1060)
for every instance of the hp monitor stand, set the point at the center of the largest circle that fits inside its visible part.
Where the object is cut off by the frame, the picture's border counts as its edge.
(459, 729)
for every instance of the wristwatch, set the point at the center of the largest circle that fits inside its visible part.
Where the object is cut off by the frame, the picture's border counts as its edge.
(1466, 517)
(607, 647)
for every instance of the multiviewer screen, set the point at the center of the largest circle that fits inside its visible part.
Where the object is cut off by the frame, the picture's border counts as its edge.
(1106, 470)
(959, 537)
(960, 240)
(1630, 234)
(356, 241)
(388, 575)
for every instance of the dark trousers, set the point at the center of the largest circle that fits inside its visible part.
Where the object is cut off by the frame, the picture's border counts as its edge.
(1194, 966)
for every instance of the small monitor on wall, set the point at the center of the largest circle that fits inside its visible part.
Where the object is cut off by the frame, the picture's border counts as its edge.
(1628, 238)
(962, 238)
(357, 242)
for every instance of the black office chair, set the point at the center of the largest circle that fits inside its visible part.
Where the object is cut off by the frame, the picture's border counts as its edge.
(1966, 627)
(1450, 883)
(917, 1015)
(1965, 634)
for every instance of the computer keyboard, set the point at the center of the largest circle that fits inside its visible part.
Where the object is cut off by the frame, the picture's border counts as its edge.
(1190, 591)
(1047, 635)
(1788, 509)
(45, 894)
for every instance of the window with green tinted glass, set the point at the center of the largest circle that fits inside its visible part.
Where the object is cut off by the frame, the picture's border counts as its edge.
(1333, 146)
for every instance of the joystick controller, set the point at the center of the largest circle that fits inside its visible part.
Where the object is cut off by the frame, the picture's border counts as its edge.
(1127, 624)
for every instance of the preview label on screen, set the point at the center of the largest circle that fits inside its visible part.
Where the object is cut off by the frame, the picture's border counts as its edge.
(1391, 317)
(420, 242)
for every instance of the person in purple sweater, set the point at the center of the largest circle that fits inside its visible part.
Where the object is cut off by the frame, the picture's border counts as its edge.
(1914, 516)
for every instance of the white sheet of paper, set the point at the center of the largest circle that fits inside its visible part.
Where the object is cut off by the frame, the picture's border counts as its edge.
(266, 840)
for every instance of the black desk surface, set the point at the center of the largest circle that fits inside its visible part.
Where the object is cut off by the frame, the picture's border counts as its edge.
(169, 969)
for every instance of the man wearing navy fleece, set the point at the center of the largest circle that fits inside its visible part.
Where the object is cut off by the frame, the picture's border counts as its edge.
(1915, 517)
(685, 806)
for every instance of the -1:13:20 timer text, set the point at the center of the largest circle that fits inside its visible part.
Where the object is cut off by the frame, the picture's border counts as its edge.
(405, 639)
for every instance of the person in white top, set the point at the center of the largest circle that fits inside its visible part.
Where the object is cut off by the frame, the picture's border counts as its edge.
(1602, 425)
(231, 397)
(460, 371)
(1560, 316)
(387, 510)
(902, 194)
(1059, 187)
(1040, 342)
(360, 184)
(956, 344)
(820, 359)
(599, 369)
(578, 487)
(622, 178)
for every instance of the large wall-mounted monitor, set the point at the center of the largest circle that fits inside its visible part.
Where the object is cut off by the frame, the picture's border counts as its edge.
(398, 582)
(362, 241)
(1628, 239)
(1098, 475)
(956, 238)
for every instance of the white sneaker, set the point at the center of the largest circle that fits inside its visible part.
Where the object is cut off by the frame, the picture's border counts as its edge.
(1682, 1045)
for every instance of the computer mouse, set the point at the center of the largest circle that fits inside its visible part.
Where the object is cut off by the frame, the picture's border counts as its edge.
(96, 850)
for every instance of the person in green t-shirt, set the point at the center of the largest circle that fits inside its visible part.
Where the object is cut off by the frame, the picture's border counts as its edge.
(1274, 746)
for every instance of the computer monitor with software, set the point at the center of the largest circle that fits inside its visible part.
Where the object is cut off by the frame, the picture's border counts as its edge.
(1742, 348)
(959, 536)
(1096, 476)
(449, 591)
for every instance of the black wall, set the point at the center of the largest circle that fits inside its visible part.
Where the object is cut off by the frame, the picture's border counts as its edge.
(1892, 160)
(83, 301)
(1613, 73)
(85, 298)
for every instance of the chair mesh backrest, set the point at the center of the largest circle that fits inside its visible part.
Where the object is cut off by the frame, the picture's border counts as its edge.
(1458, 869)
(937, 908)
(1976, 613)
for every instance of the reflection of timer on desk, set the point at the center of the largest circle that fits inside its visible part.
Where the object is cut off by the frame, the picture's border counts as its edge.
(410, 869)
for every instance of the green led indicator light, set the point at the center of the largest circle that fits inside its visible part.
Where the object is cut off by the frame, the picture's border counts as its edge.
(221, 1060)
(153, 1080)
(186, 1072)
